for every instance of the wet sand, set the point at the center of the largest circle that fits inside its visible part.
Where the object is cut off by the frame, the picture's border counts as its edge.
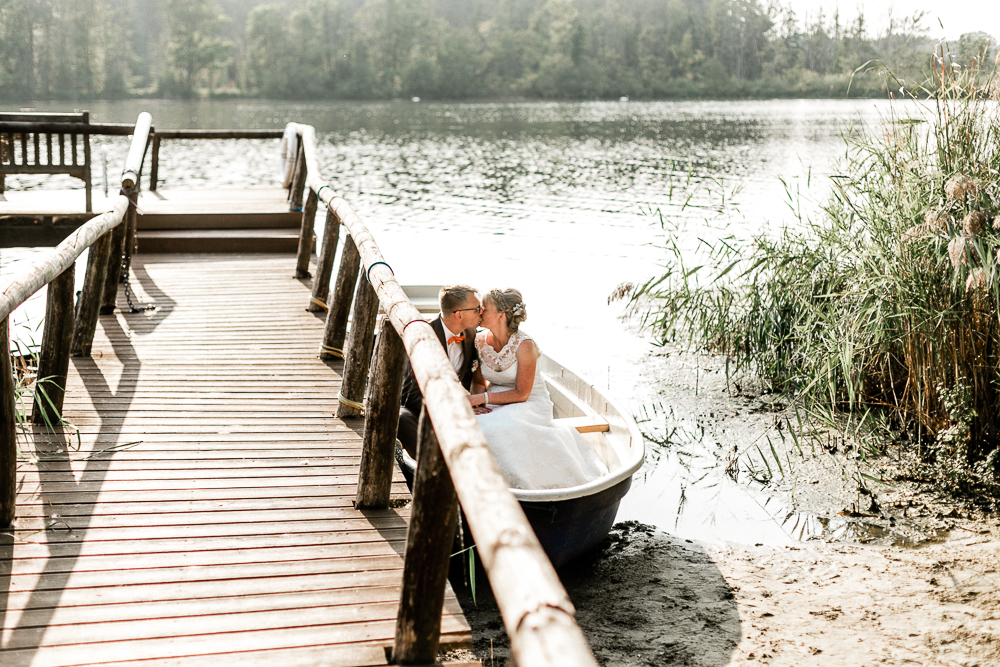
(648, 598)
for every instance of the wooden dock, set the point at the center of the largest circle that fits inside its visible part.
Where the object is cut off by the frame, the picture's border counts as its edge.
(199, 510)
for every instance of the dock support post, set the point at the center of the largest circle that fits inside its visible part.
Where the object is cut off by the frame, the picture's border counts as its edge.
(298, 185)
(306, 236)
(53, 362)
(89, 306)
(154, 168)
(324, 267)
(428, 546)
(119, 240)
(381, 420)
(86, 163)
(130, 223)
(359, 350)
(335, 330)
(8, 430)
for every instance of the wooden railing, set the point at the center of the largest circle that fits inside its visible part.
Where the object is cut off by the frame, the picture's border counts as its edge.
(66, 334)
(158, 136)
(453, 456)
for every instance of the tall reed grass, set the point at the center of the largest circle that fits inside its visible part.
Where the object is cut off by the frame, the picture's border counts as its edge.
(885, 308)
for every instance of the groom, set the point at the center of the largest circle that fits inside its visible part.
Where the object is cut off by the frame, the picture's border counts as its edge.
(455, 326)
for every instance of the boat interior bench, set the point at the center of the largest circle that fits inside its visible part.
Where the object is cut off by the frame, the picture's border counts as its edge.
(588, 424)
(34, 143)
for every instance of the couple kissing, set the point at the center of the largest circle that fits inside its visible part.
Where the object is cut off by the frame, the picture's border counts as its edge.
(498, 367)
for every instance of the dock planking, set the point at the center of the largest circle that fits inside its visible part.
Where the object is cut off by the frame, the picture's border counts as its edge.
(198, 508)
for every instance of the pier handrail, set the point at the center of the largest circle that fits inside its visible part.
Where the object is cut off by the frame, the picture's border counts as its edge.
(536, 610)
(159, 135)
(65, 334)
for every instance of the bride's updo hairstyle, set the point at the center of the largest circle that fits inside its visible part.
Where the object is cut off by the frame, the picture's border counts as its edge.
(510, 303)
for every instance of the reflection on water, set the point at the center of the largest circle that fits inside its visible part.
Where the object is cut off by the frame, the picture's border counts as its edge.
(683, 488)
(562, 200)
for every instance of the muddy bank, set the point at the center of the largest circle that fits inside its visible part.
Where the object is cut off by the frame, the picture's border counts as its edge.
(648, 598)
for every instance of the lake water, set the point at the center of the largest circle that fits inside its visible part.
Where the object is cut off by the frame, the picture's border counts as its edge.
(563, 200)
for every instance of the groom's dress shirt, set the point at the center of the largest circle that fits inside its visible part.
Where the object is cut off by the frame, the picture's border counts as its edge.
(454, 348)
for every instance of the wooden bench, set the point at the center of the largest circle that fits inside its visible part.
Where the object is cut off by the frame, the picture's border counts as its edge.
(35, 143)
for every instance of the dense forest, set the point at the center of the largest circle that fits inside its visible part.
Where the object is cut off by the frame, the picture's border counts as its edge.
(453, 49)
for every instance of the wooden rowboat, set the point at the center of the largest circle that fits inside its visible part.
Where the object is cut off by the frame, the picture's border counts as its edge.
(572, 520)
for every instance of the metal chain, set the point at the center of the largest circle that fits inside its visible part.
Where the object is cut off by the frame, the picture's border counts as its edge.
(124, 278)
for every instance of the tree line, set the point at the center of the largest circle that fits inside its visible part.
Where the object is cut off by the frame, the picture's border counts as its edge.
(455, 49)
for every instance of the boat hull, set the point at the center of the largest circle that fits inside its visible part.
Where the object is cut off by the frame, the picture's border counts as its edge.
(567, 528)
(570, 528)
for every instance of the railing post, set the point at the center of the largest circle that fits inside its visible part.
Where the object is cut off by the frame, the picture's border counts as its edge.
(8, 430)
(298, 186)
(154, 169)
(428, 546)
(130, 223)
(86, 162)
(335, 330)
(359, 350)
(53, 363)
(88, 308)
(306, 236)
(324, 267)
(381, 419)
(119, 240)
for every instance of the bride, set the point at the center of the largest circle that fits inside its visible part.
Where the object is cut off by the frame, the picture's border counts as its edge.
(532, 450)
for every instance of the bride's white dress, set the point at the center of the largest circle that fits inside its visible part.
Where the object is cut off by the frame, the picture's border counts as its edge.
(532, 450)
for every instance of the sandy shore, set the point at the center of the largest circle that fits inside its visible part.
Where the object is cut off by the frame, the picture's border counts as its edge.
(648, 598)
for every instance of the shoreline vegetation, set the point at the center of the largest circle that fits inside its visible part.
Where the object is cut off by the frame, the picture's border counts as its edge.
(460, 50)
(878, 320)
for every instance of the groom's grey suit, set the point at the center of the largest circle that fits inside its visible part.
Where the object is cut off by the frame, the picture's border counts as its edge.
(412, 400)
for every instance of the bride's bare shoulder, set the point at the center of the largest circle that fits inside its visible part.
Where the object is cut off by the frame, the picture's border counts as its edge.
(528, 347)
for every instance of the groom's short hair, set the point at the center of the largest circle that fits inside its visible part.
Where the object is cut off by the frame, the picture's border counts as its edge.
(452, 297)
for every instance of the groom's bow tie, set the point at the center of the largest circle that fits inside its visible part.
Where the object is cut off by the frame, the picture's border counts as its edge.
(456, 339)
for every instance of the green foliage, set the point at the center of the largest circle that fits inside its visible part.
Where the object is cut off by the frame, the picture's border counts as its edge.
(888, 303)
(195, 44)
(312, 49)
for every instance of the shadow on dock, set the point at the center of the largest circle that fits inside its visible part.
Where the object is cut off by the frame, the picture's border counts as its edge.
(59, 514)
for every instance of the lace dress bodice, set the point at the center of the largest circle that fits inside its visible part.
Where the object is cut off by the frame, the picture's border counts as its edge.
(500, 368)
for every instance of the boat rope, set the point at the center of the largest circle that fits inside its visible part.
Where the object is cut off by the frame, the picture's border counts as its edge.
(332, 351)
(351, 404)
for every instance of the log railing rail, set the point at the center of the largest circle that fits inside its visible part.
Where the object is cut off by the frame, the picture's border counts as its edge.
(536, 610)
(64, 334)
(159, 135)
(33, 143)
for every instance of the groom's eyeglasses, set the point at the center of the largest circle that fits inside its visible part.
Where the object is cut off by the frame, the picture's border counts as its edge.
(478, 309)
